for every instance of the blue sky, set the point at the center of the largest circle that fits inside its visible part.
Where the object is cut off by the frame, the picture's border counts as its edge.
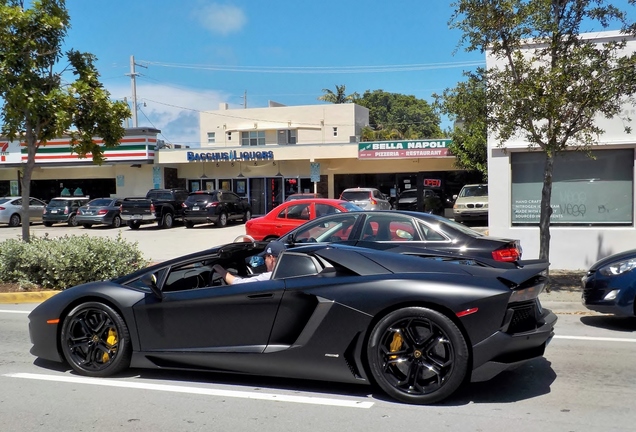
(199, 53)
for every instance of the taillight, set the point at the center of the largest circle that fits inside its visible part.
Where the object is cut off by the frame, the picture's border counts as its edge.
(102, 212)
(2, 208)
(373, 202)
(65, 210)
(509, 253)
(120, 206)
(152, 208)
(184, 205)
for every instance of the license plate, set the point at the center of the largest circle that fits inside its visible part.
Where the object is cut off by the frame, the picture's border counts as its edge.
(53, 211)
(195, 208)
(136, 217)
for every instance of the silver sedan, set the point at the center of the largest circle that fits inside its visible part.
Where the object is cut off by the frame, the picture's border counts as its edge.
(11, 210)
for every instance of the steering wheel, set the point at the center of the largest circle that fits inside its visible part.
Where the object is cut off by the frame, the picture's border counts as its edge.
(244, 238)
(217, 280)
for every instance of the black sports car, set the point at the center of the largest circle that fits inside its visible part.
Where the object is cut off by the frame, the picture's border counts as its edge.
(418, 328)
(424, 230)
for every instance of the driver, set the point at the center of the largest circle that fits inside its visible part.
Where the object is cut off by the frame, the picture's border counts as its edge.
(272, 251)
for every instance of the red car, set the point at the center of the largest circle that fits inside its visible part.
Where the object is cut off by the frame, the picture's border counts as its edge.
(291, 214)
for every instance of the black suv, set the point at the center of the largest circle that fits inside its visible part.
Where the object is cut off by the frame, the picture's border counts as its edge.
(216, 206)
(62, 210)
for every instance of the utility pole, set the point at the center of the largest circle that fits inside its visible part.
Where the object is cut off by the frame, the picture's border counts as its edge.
(245, 99)
(133, 84)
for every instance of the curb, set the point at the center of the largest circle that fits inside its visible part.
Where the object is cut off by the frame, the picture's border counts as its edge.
(26, 297)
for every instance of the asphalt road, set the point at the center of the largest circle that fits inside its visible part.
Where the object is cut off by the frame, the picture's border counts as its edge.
(586, 382)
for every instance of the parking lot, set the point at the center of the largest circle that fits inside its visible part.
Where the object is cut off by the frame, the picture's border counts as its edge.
(156, 244)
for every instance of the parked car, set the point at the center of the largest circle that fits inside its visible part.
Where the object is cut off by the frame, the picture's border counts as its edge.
(291, 214)
(11, 210)
(160, 206)
(100, 211)
(297, 196)
(216, 206)
(366, 198)
(471, 204)
(62, 210)
(431, 202)
(609, 286)
(416, 229)
(419, 340)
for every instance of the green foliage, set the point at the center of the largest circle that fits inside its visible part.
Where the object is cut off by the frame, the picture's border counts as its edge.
(40, 104)
(466, 106)
(396, 116)
(67, 261)
(339, 96)
(548, 83)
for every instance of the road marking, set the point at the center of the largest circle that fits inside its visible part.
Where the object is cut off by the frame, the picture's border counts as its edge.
(591, 338)
(14, 311)
(195, 390)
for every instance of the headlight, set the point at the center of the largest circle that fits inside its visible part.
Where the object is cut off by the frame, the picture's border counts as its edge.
(459, 206)
(618, 268)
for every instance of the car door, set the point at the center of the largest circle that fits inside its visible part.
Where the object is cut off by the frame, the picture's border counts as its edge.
(36, 207)
(227, 318)
(231, 202)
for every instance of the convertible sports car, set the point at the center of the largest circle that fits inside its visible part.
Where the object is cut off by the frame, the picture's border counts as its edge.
(417, 328)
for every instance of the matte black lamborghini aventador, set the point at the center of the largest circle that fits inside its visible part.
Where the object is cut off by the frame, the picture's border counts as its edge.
(417, 328)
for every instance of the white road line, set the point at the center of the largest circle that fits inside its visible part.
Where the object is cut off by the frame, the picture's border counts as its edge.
(196, 390)
(591, 338)
(14, 311)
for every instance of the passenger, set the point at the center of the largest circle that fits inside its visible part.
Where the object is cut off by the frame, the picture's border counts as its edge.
(272, 251)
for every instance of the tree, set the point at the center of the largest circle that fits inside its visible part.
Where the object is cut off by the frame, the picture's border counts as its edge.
(550, 82)
(339, 96)
(37, 103)
(466, 105)
(398, 116)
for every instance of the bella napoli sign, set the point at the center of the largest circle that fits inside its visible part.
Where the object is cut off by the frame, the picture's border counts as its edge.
(229, 156)
(404, 149)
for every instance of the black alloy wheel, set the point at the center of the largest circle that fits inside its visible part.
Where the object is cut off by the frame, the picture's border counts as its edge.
(166, 221)
(14, 220)
(95, 340)
(417, 355)
(72, 220)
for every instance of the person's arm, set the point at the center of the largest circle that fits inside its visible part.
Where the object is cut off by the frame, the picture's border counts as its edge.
(228, 277)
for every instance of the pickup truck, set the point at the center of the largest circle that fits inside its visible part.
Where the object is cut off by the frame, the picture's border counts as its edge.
(162, 206)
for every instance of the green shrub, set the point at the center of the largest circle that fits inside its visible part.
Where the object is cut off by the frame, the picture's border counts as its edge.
(63, 262)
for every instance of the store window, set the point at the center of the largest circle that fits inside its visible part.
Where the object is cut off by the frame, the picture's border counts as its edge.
(287, 136)
(211, 137)
(335, 131)
(597, 190)
(253, 138)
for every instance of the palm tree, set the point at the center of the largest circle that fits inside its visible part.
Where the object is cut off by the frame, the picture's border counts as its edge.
(339, 96)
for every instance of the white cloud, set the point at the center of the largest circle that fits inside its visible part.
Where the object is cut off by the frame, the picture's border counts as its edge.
(173, 110)
(221, 19)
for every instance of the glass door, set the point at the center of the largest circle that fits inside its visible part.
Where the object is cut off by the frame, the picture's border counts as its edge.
(275, 194)
(257, 196)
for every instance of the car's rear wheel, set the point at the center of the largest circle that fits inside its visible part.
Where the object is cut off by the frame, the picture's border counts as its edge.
(14, 220)
(134, 225)
(247, 216)
(72, 220)
(222, 221)
(166, 221)
(116, 222)
(95, 340)
(48, 224)
(417, 355)
(189, 224)
(87, 225)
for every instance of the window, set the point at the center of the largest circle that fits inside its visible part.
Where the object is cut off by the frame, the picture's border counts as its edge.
(211, 137)
(293, 265)
(585, 191)
(299, 211)
(325, 209)
(287, 136)
(335, 131)
(394, 228)
(253, 138)
(229, 136)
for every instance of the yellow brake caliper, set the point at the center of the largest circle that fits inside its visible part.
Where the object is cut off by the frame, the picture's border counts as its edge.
(396, 344)
(110, 340)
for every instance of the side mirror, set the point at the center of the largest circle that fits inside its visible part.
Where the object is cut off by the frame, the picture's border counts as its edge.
(150, 280)
(454, 197)
(291, 239)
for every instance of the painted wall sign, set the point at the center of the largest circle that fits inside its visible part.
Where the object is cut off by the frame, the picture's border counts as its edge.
(232, 155)
(404, 149)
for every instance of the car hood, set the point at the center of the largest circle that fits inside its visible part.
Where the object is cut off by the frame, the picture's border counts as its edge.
(613, 258)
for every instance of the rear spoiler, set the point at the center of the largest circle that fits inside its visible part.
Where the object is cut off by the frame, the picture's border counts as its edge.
(527, 270)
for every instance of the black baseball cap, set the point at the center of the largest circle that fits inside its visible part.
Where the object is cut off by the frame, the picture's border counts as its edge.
(274, 248)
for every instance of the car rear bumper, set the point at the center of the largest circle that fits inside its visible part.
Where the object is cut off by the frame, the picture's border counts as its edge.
(56, 218)
(81, 219)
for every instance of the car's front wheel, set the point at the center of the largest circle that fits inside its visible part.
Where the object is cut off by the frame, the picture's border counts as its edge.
(14, 220)
(166, 221)
(222, 221)
(116, 222)
(417, 355)
(72, 221)
(95, 340)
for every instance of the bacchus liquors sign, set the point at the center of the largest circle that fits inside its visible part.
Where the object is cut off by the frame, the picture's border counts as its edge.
(404, 149)
(232, 155)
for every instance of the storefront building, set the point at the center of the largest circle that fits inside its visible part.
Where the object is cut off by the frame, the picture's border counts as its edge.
(592, 197)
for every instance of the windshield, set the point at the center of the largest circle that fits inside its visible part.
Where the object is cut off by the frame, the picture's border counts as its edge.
(58, 203)
(356, 195)
(474, 191)
(411, 193)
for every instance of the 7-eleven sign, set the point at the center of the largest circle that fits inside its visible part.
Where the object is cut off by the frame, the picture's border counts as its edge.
(4, 151)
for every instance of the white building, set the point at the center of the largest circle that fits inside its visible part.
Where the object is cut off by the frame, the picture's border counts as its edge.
(592, 199)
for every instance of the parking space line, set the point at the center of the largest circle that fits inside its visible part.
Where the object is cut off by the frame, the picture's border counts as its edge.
(196, 390)
(592, 338)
